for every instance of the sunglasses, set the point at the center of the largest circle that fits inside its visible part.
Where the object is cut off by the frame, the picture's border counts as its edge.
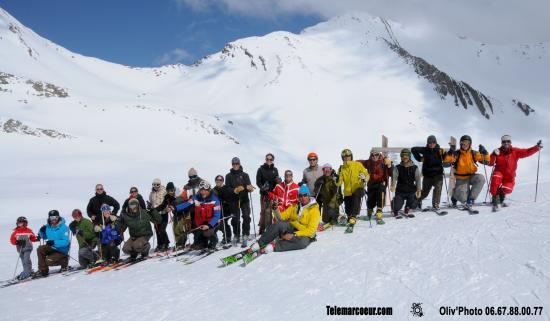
(219, 180)
(288, 175)
(133, 191)
(506, 141)
(269, 159)
(236, 164)
(99, 189)
(465, 142)
(156, 185)
(132, 206)
(312, 159)
(431, 143)
(303, 195)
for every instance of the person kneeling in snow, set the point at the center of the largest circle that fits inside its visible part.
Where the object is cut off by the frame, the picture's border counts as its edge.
(83, 228)
(207, 215)
(138, 221)
(505, 159)
(109, 236)
(295, 228)
(56, 250)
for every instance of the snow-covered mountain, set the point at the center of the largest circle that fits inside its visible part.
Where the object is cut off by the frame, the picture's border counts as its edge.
(69, 119)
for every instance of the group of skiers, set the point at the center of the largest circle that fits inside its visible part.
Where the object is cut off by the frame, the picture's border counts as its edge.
(290, 212)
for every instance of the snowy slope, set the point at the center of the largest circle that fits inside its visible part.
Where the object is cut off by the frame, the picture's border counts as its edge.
(493, 259)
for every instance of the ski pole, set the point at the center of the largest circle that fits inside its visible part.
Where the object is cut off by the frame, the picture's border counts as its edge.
(490, 183)
(485, 170)
(17, 262)
(445, 180)
(253, 220)
(537, 184)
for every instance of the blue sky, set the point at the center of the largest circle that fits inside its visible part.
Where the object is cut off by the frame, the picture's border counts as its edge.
(145, 32)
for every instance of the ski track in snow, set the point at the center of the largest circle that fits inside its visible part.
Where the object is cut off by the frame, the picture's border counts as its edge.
(490, 259)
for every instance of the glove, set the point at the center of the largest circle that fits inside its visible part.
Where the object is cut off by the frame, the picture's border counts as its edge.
(496, 151)
(38, 238)
(42, 230)
(387, 162)
(20, 242)
(238, 189)
(249, 188)
(80, 233)
(539, 144)
(149, 205)
(418, 193)
(482, 150)
(452, 148)
(49, 242)
(97, 228)
(274, 205)
(392, 189)
(362, 176)
(113, 218)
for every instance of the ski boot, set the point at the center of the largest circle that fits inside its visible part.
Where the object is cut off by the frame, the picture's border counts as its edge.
(244, 242)
(501, 195)
(369, 214)
(379, 219)
(24, 275)
(495, 203)
(351, 224)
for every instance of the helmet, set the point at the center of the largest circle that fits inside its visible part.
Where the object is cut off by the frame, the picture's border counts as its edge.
(22, 219)
(312, 155)
(346, 152)
(466, 137)
(204, 185)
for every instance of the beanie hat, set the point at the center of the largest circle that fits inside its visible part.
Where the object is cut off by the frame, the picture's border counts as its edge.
(105, 208)
(304, 190)
(405, 151)
(506, 137)
(156, 181)
(327, 165)
(53, 213)
(133, 202)
(192, 172)
(170, 186)
(431, 139)
(235, 160)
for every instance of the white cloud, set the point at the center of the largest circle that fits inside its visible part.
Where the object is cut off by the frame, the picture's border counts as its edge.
(490, 21)
(176, 55)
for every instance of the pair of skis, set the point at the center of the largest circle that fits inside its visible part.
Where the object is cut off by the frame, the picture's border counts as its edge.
(246, 256)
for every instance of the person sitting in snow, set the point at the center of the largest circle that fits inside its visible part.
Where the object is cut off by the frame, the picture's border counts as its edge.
(296, 226)
(22, 237)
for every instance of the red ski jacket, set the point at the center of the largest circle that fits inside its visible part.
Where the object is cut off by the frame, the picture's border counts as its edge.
(287, 195)
(507, 162)
(22, 232)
